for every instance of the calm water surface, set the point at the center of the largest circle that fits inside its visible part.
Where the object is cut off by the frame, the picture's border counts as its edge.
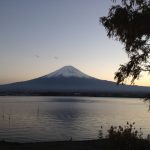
(31, 119)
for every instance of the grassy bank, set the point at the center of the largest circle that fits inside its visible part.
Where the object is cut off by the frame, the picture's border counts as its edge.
(63, 145)
(104, 144)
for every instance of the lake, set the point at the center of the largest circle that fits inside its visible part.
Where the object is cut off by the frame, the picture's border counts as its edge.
(34, 119)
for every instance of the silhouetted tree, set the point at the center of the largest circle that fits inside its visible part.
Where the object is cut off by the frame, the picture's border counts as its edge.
(129, 22)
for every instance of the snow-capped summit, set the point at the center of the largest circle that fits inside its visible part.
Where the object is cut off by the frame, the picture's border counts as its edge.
(68, 71)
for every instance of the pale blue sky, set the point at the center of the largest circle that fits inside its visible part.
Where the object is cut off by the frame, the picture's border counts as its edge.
(40, 36)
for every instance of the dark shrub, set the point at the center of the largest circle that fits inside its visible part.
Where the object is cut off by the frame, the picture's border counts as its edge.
(125, 138)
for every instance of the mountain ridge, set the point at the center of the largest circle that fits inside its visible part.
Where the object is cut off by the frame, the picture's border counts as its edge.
(68, 79)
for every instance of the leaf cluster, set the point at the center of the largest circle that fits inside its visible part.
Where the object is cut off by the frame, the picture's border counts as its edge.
(129, 23)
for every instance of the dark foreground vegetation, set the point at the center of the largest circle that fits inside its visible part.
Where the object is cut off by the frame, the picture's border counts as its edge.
(104, 144)
(118, 138)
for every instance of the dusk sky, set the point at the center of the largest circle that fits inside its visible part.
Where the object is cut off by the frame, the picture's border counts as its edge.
(40, 36)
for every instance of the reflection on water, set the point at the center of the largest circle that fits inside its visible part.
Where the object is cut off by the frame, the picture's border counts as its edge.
(30, 119)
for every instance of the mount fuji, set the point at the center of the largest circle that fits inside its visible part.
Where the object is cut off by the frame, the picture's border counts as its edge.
(70, 81)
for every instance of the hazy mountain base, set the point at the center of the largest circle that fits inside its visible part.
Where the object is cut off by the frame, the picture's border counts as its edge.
(89, 94)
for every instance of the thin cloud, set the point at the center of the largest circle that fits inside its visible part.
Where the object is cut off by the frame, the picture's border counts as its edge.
(56, 58)
(37, 56)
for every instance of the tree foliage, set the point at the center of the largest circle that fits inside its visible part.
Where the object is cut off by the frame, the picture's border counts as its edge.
(129, 22)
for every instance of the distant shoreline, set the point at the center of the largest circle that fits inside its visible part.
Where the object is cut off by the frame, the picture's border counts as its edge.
(79, 94)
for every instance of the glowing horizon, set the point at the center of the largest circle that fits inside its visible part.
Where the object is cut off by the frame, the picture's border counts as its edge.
(141, 82)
